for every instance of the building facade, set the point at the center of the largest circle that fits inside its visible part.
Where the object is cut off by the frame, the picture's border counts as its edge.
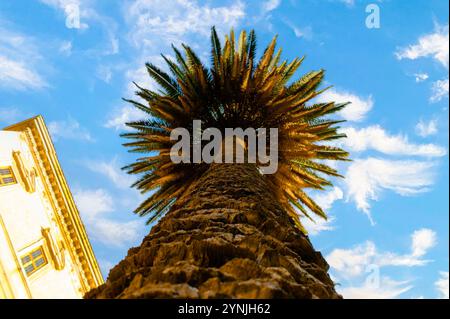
(44, 249)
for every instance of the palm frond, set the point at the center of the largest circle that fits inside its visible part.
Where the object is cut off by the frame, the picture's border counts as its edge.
(236, 90)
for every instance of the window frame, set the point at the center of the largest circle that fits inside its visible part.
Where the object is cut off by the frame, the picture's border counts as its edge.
(33, 260)
(10, 175)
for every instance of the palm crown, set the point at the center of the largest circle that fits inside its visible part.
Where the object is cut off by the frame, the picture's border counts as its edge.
(236, 90)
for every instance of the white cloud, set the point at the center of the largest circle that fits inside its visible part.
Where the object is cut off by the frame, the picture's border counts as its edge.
(66, 48)
(270, 5)
(141, 77)
(116, 233)
(173, 19)
(425, 129)
(324, 200)
(155, 25)
(356, 111)
(114, 43)
(349, 2)
(72, 11)
(127, 113)
(19, 57)
(96, 207)
(104, 73)
(319, 225)
(112, 171)
(301, 32)
(422, 240)
(439, 90)
(367, 178)
(387, 289)
(17, 75)
(375, 138)
(77, 10)
(433, 45)
(70, 129)
(353, 262)
(442, 285)
(420, 77)
(360, 267)
(93, 203)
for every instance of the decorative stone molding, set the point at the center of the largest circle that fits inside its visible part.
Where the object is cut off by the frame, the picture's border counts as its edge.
(57, 203)
(56, 249)
(27, 175)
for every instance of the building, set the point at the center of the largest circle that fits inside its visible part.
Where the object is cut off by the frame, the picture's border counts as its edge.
(44, 249)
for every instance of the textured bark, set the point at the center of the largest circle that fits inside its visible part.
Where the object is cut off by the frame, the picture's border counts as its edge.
(228, 239)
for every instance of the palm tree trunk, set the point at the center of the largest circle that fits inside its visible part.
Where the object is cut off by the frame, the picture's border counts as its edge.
(227, 238)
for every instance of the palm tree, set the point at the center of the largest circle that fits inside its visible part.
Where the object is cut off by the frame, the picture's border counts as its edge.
(226, 230)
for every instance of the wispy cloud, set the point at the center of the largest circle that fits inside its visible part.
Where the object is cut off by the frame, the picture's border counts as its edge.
(319, 225)
(155, 25)
(425, 129)
(69, 129)
(78, 12)
(386, 289)
(270, 5)
(442, 285)
(358, 269)
(111, 170)
(140, 74)
(326, 201)
(348, 3)
(354, 261)
(434, 45)
(305, 32)
(66, 48)
(19, 56)
(356, 111)
(376, 138)
(104, 73)
(367, 178)
(422, 240)
(93, 203)
(116, 233)
(439, 90)
(301, 32)
(73, 12)
(420, 77)
(172, 20)
(125, 114)
(17, 75)
(97, 209)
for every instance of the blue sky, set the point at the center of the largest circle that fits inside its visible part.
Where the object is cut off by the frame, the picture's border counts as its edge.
(387, 235)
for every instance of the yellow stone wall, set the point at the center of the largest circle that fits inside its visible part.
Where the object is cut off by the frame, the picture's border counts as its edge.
(31, 216)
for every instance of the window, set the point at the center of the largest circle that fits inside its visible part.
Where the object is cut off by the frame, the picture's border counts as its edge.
(7, 176)
(34, 260)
